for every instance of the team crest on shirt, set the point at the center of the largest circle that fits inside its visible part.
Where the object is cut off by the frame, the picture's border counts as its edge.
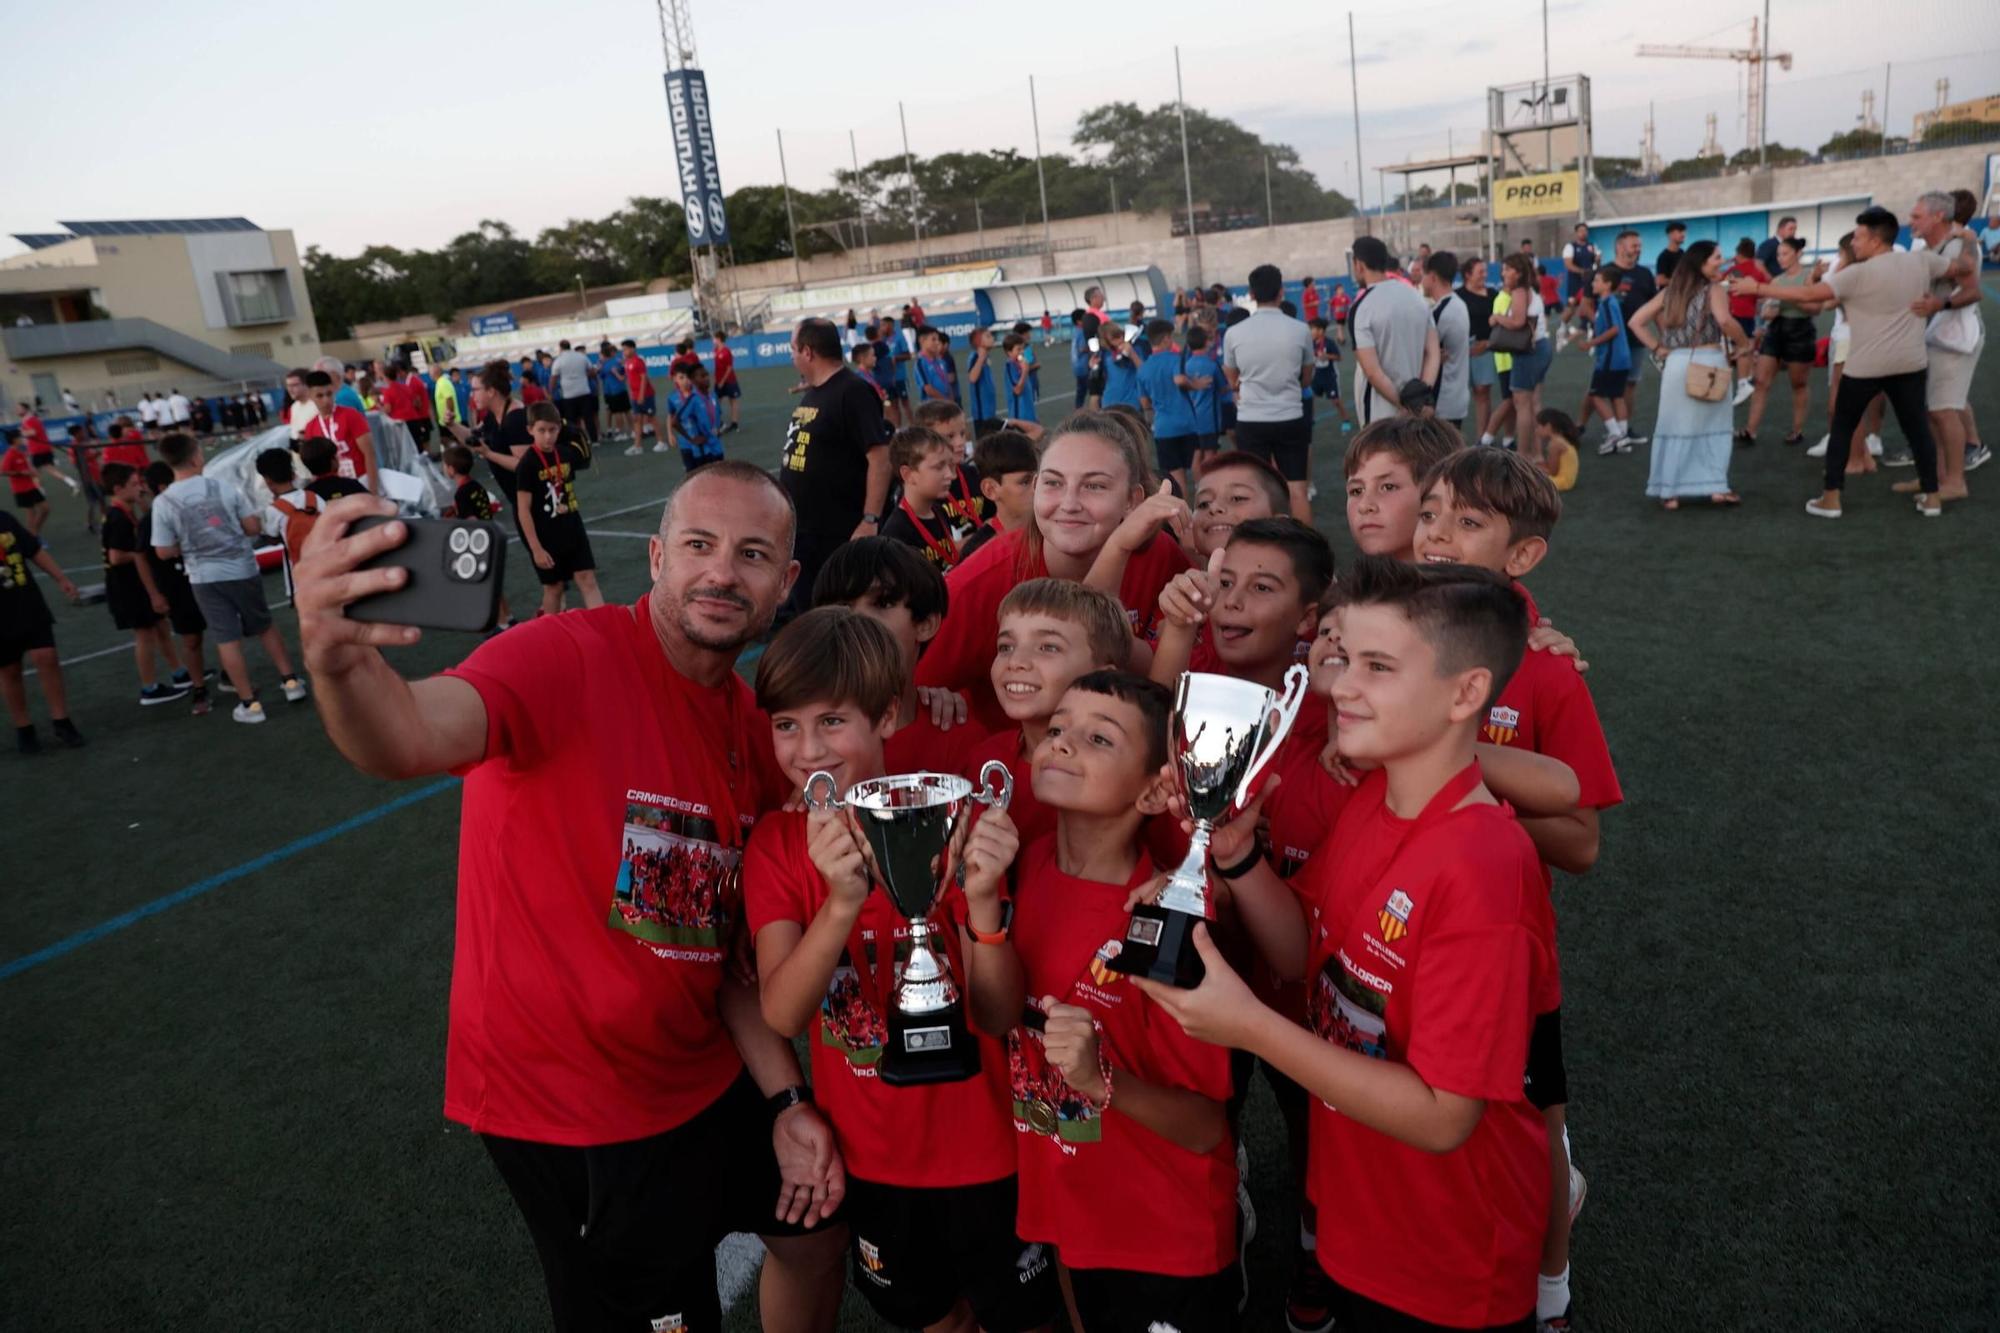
(669, 1323)
(871, 1256)
(1394, 917)
(1100, 964)
(1502, 725)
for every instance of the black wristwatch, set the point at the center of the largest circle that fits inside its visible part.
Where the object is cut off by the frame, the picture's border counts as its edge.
(876, 519)
(1246, 865)
(780, 1102)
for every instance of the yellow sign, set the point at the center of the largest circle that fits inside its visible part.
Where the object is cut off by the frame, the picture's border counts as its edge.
(1538, 196)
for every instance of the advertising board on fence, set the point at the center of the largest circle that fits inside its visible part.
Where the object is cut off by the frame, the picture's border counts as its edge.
(1538, 196)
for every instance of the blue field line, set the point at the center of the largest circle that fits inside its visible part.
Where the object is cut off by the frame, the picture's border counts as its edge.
(216, 881)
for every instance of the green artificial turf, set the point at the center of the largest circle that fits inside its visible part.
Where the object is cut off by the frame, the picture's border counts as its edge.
(1780, 1015)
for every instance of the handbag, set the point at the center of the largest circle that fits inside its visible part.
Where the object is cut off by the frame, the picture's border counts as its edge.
(1709, 384)
(1507, 339)
(1954, 330)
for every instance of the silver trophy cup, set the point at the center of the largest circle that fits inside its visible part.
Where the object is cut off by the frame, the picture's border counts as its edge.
(914, 826)
(1223, 732)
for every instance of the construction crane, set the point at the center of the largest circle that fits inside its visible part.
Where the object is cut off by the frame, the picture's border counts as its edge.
(1755, 59)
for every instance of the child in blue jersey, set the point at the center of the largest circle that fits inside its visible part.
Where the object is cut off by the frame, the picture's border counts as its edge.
(1080, 363)
(1121, 367)
(1020, 378)
(1202, 378)
(694, 418)
(935, 382)
(1025, 331)
(1611, 362)
(979, 379)
(1164, 388)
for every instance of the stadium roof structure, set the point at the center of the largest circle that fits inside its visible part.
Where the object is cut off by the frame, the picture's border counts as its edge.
(134, 227)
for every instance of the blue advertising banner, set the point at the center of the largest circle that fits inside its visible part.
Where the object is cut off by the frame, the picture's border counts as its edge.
(500, 323)
(694, 158)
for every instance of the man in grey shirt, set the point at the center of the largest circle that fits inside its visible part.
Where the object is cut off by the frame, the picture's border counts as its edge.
(1394, 339)
(1453, 385)
(1268, 359)
(569, 385)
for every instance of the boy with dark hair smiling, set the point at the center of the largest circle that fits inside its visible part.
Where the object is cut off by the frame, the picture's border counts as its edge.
(1127, 1165)
(1005, 464)
(1494, 510)
(931, 1190)
(1424, 938)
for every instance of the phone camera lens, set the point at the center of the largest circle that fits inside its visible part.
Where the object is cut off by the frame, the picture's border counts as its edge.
(458, 540)
(478, 539)
(465, 567)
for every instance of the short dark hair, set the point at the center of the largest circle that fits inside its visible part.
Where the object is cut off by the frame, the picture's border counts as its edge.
(114, 475)
(1288, 308)
(1964, 203)
(1788, 218)
(1106, 630)
(1471, 616)
(320, 455)
(1500, 481)
(1677, 225)
(1880, 221)
(318, 379)
(1625, 233)
(1275, 488)
(298, 373)
(497, 377)
(938, 412)
(1153, 700)
(159, 476)
(835, 655)
(178, 448)
(1371, 251)
(1266, 284)
(819, 337)
(892, 573)
(1612, 275)
(1003, 453)
(274, 465)
(1746, 248)
(1158, 329)
(1197, 337)
(1442, 265)
(1310, 552)
(544, 411)
(1418, 441)
(909, 446)
(459, 459)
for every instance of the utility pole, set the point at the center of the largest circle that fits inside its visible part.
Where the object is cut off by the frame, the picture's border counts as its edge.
(1269, 220)
(978, 222)
(1187, 171)
(1354, 85)
(910, 166)
(1763, 73)
(791, 224)
(1548, 104)
(1041, 181)
(860, 204)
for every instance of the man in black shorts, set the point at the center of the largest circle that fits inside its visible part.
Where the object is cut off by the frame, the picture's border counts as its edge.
(1268, 359)
(27, 630)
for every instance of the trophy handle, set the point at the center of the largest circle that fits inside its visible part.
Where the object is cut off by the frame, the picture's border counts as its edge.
(996, 784)
(1287, 708)
(821, 793)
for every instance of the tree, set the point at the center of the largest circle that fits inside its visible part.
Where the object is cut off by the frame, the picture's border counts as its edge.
(1692, 169)
(1852, 143)
(1775, 154)
(1142, 150)
(1945, 132)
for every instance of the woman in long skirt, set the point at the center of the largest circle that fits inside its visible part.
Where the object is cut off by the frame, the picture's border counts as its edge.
(1689, 324)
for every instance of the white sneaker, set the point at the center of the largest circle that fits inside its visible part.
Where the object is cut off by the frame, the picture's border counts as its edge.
(1608, 446)
(1874, 446)
(1817, 510)
(251, 713)
(295, 690)
(661, 448)
(636, 449)
(1977, 457)
(1744, 388)
(1578, 1189)
(1819, 450)
(1312, 492)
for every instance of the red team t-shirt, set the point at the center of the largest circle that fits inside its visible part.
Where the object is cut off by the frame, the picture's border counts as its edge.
(638, 383)
(961, 656)
(933, 1136)
(600, 842)
(925, 747)
(1031, 818)
(1103, 1189)
(345, 428)
(130, 450)
(1428, 939)
(20, 470)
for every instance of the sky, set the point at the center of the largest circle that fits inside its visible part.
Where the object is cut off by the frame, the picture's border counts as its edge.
(398, 124)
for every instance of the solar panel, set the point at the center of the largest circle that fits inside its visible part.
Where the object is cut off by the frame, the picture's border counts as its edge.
(158, 226)
(41, 240)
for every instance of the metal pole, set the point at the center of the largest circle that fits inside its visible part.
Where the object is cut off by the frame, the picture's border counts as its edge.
(1764, 88)
(860, 204)
(1187, 171)
(978, 222)
(1886, 70)
(1114, 210)
(1041, 181)
(1354, 85)
(910, 166)
(1269, 219)
(791, 224)
(1548, 103)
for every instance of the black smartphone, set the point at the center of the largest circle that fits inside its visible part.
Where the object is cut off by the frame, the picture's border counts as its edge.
(455, 569)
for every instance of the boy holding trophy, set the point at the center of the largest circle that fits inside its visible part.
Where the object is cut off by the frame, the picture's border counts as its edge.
(931, 1172)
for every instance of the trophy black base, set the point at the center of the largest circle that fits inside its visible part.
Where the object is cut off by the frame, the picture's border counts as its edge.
(1159, 945)
(928, 1048)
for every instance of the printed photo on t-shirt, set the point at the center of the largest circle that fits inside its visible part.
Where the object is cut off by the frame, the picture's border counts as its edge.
(1347, 1012)
(848, 1022)
(677, 886)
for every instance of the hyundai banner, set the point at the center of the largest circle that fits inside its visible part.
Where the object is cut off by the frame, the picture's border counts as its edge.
(694, 158)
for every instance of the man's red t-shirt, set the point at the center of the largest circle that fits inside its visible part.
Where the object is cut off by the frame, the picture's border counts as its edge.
(532, 393)
(724, 374)
(600, 841)
(345, 428)
(931, 1137)
(1103, 1189)
(925, 747)
(638, 384)
(130, 450)
(961, 656)
(1428, 938)
(20, 470)
(35, 435)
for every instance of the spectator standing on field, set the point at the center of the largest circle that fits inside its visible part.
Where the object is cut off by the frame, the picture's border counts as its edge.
(836, 457)
(569, 385)
(1394, 339)
(1453, 384)
(1268, 361)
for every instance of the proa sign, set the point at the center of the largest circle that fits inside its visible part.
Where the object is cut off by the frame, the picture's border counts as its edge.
(1537, 196)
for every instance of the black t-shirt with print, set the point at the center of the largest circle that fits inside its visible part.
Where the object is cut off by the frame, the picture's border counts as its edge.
(825, 468)
(333, 486)
(932, 537)
(548, 479)
(471, 500)
(501, 436)
(21, 604)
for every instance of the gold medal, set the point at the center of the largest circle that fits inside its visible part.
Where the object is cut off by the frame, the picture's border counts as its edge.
(1042, 1117)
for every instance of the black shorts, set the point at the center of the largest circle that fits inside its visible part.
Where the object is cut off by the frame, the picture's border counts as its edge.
(130, 607)
(29, 498)
(915, 1252)
(1114, 1300)
(182, 613)
(897, 393)
(19, 639)
(1546, 1080)
(1608, 383)
(1097, 382)
(43, 459)
(1205, 443)
(420, 431)
(570, 558)
(626, 1232)
(618, 404)
(733, 389)
(1794, 342)
(1175, 451)
(1284, 444)
(986, 426)
(1228, 417)
(1354, 1313)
